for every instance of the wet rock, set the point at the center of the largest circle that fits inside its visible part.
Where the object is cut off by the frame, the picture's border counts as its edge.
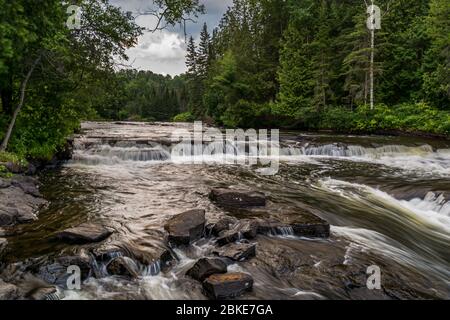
(307, 225)
(312, 230)
(66, 152)
(57, 272)
(204, 268)
(16, 168)
(266, 227)
(223, 225)
(247, 228)
(186, 227)
(228, 285)
(43, 293)
(8, 291)
(3, 244)
(237, 251)
(228, 236)
(84, 233)
(123, 266)
(237, 198)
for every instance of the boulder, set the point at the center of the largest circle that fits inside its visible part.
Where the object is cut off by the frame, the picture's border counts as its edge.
(237, 198)
(204, 268)
(237, 251)
(222, 225)
(8, 291)
(228, 285)
(186, 227)
(84, 233)
(56, 272)
(123, 266)
(227, 236)
(27, 184)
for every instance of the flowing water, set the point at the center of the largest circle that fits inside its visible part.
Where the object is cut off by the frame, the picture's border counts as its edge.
(386, 198)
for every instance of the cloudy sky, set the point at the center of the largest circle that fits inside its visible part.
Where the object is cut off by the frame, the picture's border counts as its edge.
(164, 51)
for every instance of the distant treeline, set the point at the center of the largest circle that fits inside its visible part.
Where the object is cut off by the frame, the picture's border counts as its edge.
(138, 95)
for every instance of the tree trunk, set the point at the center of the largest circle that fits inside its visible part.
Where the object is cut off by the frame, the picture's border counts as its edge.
(23, 87)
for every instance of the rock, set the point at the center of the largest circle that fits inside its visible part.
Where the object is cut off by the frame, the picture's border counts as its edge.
(247, 228)
(237, 198)
(204, 268)
(57, 272)
(3, 244)
(228, 236)
(8, 291)
(27, 184)
(84, 233)
(186, 227)
(228, 285)
(123, 266)
(16, 168)
(43, 293)
(5, 183)
(237, 251)
(8, 216)
(312, 230)
(66, 151)
(222, 225)
(307, 225)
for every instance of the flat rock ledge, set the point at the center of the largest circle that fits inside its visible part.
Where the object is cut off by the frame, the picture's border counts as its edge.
(84, 233)
(236, 251)
(236, 199)
(228, 285)
(20, 200)
(186, 227)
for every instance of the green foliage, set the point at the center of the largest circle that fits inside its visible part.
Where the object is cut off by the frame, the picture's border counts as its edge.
(6, 157)
(184, 117)
(4, 172)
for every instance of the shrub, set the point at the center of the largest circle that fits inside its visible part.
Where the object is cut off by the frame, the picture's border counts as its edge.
(184, 117)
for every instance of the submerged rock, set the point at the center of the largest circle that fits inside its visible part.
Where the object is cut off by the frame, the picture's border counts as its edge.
(84, 233)
(205, 267)
(186, 227)
(228, 285)
(123, 266)
(237, 198)
(237, 251)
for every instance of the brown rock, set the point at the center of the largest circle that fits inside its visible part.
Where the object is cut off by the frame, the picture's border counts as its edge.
(84, 233)
(204, 268)
(237, 251)
(186, 227)
(228, 285)
(237, 198)
(123, 266)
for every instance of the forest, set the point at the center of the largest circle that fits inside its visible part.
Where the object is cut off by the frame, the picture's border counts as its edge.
(269, 63)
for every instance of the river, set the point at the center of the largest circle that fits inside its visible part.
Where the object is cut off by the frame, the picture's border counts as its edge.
(386, 199)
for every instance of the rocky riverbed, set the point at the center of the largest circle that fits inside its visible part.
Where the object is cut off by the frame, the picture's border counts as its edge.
(140, 226)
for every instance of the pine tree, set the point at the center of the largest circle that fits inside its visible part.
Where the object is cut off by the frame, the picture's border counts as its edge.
(203, 54)
(191, 59)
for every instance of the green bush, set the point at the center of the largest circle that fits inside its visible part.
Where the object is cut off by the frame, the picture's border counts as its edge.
(184, 117)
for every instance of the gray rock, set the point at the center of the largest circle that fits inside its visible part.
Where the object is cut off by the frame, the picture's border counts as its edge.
(5, 183)
(204, 268)
(237, 251)
(186, 227)
(123, 266)
(84, 233)
(237, 198)
(27, 184)
(8, 291)
(57, 272)
(8, 216)
(228, 285)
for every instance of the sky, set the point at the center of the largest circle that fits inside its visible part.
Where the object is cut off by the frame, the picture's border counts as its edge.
(164, 51)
